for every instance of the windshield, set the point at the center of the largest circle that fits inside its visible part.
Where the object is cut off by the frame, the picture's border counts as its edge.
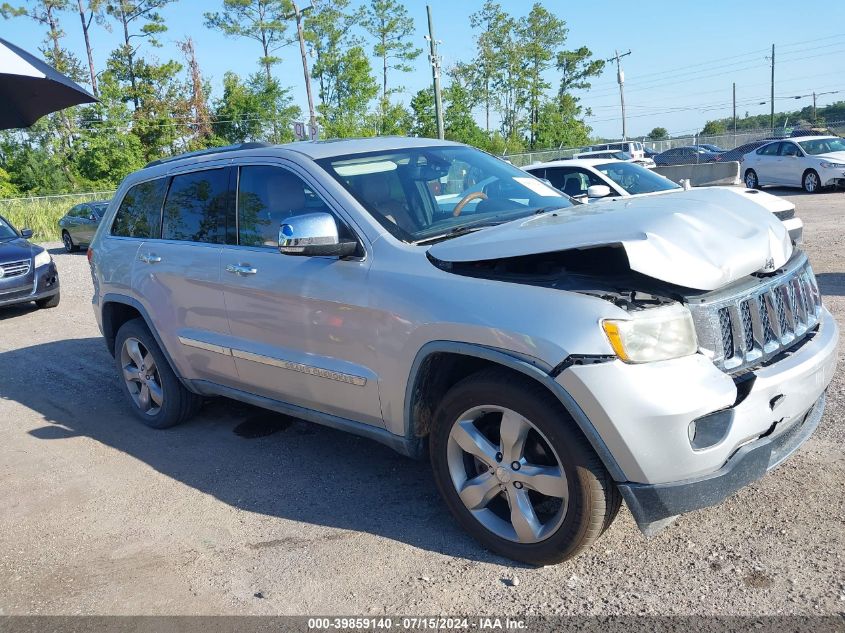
(6, 230)
(424, 192)
(823, 145)
(636, 179)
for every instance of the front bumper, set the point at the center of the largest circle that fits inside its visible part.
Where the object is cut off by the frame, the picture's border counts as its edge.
(643, 415)
(43, 282)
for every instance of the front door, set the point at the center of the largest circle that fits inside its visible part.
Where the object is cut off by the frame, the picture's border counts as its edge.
(301, 330)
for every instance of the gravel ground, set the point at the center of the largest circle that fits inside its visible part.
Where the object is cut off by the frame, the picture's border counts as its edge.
(99, 515)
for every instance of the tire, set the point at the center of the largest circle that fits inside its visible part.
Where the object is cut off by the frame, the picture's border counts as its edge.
(49, 302)
(167, 402)
(557, 528)
(751, 180)
(810, 181)
(70, 247)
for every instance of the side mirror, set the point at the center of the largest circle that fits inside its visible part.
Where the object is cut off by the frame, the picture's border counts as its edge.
(26, 233)
(92, 217)
(313, 235)
(598, 191)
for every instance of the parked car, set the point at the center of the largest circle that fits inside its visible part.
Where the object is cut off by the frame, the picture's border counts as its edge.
(27, 271)
(649, 152)
(551, 358)
(810, 162)
(634, 149)
(609, 154)
(688, 155)
(80, 223)
(602, 180)
(715, 149)
(737, 153)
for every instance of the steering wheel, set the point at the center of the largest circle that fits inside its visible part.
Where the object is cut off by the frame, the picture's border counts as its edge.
(472, 195)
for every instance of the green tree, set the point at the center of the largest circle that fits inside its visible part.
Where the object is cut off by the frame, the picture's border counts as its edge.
(90, 11)
(713, 128)
(328, 30)
(485, 71)
(540, 35)
(240, 115)
(129, 14)
(392, 27)
(259, 20)
(8, 189)
(577, 68)
(560, 123)
(355, 87)
(658, 134)
(422, 110)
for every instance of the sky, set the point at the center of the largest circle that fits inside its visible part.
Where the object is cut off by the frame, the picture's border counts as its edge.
(685, 54)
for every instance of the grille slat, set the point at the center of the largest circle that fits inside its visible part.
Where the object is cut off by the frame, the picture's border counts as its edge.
(15, 269)
(744, 329)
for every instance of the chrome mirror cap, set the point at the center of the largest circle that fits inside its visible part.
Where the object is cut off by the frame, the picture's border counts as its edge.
(313, 234)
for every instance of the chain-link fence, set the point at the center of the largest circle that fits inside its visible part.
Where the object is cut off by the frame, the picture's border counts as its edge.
(726, 141)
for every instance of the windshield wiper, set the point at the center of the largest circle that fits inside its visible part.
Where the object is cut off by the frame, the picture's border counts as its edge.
(455, 232)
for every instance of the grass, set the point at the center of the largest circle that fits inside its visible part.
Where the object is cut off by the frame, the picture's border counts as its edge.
(42, 215)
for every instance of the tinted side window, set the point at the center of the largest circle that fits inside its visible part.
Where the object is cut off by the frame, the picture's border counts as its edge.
(769, 150)
(139, 214)
(267, 197)
(197, 207)
(789, 149)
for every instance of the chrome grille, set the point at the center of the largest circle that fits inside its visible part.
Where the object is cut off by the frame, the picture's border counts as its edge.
(727, 333)
(754, 321)
(15, 269)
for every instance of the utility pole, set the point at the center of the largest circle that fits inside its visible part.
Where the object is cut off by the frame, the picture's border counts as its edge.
(435, 75)
(734, 111)
(815, 95)
(772, 115)
(620, 79)
(297, 15)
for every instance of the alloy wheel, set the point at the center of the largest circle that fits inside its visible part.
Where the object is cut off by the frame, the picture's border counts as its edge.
(141, 376)
(811, 182)
(68, 242)
(507, 474)
(751, 180)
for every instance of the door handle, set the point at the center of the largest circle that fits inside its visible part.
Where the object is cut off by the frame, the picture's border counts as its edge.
(150, 258)
(241, 269)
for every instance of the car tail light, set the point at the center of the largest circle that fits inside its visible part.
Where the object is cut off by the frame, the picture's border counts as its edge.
(90, 254)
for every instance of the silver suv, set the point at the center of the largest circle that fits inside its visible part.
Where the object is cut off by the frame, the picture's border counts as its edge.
(552, 358)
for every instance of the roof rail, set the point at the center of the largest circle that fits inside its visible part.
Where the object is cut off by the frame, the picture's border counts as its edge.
(210, 150)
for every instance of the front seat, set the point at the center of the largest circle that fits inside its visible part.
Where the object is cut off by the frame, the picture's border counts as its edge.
(375, 189)
(572, 187)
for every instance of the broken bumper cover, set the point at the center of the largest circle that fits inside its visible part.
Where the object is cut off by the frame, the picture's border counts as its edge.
(652, 503)
(644, 414)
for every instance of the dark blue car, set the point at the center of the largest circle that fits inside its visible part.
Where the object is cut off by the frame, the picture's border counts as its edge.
(27, 271)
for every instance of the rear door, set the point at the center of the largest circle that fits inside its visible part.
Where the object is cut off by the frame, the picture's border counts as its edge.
(301, 328)
(87, 224)
(177, 276)
(71, 222)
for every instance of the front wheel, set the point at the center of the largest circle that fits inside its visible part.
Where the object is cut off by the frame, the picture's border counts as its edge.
(516, 472)
(156, 395)
(811, 181)
(49, 302)
(751, 180)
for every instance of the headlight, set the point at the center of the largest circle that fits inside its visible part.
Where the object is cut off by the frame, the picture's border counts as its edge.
(828, 165)
(42, 259)
(652, 334)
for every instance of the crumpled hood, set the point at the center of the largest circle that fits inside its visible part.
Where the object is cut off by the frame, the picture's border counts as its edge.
(702, 239)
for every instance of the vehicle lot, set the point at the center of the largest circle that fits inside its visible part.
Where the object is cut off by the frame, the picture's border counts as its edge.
(99, 514)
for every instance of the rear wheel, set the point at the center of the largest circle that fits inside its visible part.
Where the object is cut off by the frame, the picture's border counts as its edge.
(810, 181)
(751, 180)
(70, 247)
(516, 472)
(157, 396)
